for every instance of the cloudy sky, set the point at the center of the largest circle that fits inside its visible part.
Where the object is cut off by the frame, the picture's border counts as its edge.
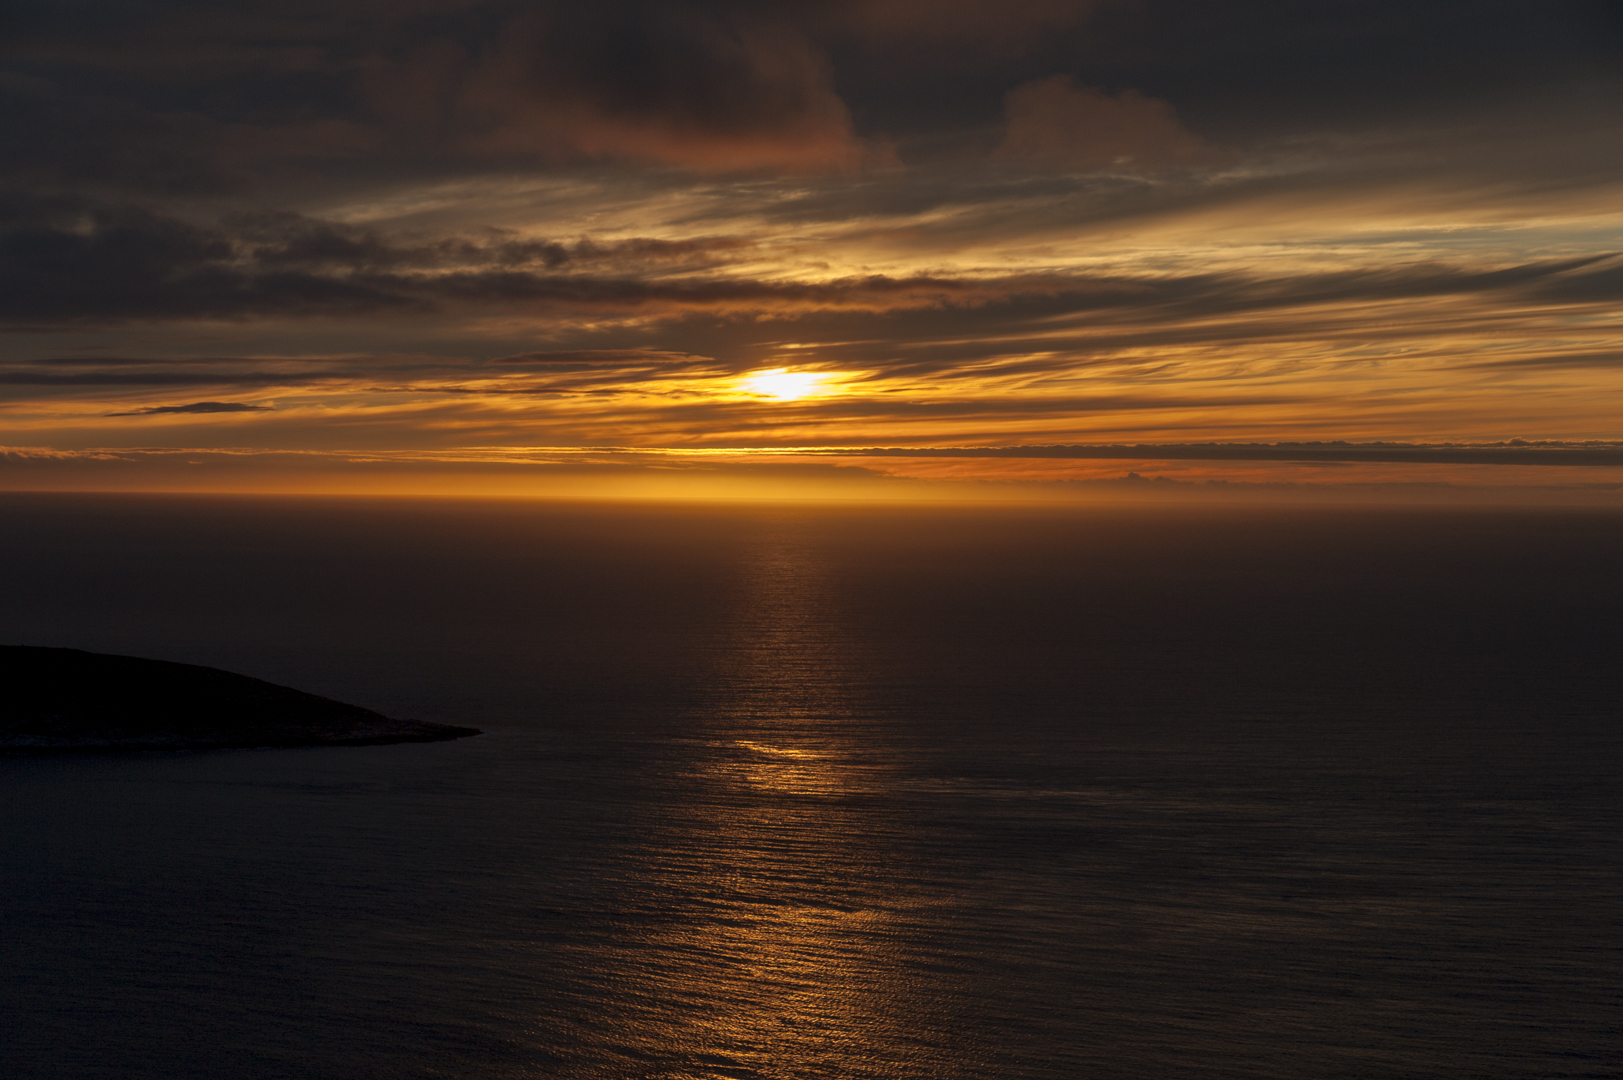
(272, 243)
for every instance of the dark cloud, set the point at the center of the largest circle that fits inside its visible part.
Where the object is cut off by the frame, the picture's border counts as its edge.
(1513, 452)
(1609, 359)
(1239, 65)
(588, 358)
(136, 361)
(202, 378)
(1590, 283)
(656, 83)
(197, 407)
(55, 136)
(174, 97)
(66, 261)
(285, 240)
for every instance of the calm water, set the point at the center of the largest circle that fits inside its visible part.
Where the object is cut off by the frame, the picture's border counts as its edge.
(832, 793)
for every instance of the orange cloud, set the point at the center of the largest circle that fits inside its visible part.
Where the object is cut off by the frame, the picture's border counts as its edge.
(1055, 123)
(729, 98)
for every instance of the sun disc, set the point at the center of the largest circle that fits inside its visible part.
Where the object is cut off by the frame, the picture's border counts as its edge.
(784, 384)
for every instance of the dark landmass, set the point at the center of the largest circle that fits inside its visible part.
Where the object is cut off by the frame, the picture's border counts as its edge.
(66, 700)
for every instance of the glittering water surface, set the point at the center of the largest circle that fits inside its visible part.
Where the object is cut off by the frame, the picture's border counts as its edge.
(832, 793)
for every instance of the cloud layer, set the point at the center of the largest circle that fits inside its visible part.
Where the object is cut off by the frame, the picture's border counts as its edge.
(416, 227)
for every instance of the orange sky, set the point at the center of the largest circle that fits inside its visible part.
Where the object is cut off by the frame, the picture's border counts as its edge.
(447, 260)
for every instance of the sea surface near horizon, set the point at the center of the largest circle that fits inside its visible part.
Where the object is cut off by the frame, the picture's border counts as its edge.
(802, 792)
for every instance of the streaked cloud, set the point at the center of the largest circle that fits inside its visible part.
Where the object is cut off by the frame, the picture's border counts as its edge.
(428, 227)
(196, 407)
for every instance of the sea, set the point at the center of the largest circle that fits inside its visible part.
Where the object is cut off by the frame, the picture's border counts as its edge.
(832, 791)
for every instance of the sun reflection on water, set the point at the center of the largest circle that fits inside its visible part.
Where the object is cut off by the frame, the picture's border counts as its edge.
(789, 936)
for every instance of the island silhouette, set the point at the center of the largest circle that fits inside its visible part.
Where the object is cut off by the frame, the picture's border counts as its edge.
(67, 700)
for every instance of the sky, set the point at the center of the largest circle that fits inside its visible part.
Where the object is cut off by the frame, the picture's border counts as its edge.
(770, 247)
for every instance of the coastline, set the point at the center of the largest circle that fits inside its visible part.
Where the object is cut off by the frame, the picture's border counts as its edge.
(65, 701)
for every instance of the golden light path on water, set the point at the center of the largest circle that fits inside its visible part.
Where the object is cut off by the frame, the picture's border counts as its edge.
(799, 956)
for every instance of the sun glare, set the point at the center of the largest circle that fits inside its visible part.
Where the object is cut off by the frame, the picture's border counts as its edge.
(784, 384)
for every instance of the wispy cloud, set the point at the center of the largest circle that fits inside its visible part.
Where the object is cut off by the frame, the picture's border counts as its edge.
(196, 407)
(1029, 224)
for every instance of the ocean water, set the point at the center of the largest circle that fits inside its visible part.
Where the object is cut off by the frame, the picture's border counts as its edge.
(832, 792)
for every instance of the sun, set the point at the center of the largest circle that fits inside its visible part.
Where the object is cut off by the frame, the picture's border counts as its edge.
(784, 384)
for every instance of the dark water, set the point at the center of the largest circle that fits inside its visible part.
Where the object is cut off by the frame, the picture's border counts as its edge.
(832, 793)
